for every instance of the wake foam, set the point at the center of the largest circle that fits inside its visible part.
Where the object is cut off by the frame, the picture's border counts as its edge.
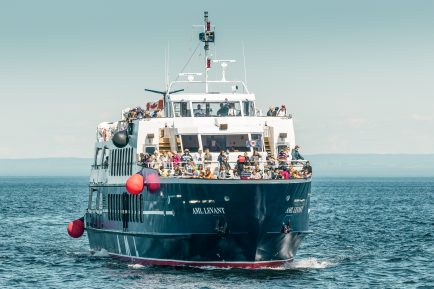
(101, 253)
(309, 263)
(136, 266)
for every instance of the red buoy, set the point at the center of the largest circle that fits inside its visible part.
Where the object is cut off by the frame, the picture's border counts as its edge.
(76, 228)
(135, 184)
(153, 183)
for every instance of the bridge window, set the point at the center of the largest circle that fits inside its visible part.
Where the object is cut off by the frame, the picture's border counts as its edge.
(190, 142)
(212, 109)
(248, 108)
(233, 142)
(182, 109)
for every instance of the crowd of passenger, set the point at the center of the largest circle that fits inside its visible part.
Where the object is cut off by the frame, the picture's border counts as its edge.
(277, 111)
(286, 165)
(139, 113)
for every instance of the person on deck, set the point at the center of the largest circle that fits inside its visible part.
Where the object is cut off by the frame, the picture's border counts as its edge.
(282, 111)
(207, 158)
(199, 157)
(221, 159)
(186, 157)
(208, 174)
(270, 111)
(296, 154)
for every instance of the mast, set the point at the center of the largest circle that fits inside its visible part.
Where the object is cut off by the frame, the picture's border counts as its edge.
(207, 36)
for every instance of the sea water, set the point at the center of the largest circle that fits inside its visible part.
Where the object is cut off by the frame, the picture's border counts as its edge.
(367, 233)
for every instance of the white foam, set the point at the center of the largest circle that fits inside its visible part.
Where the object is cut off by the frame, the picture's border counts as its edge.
(309, 263)
(101, 253)
(136, 266)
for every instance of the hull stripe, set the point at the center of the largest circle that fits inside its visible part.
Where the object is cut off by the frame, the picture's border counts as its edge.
(220, 264)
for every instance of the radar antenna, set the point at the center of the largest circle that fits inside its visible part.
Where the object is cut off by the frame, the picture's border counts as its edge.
(207, 36)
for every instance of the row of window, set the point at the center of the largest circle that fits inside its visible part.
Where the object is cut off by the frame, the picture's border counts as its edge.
(216, 143)
(125, 207)
(212, 109)
(121, 162)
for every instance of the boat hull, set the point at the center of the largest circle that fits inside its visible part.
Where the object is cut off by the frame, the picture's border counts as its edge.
(244, 224)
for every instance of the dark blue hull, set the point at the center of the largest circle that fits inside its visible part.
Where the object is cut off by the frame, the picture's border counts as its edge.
(203, 222)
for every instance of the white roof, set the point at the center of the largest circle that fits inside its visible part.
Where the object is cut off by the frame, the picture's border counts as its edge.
(210, 97)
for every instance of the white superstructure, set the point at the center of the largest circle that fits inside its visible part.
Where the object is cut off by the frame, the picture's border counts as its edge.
(217, 115)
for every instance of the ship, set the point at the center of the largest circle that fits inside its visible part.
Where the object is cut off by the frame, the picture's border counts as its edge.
(198, 178)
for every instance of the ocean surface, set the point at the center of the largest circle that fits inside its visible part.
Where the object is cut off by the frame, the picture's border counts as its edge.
(368, 233)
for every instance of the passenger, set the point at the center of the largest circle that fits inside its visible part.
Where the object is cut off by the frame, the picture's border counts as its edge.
(241, 161)
(164, 159)
(208, 174)
(207, 157)
(232, 111)
(163, 172)
(285, 174)
(186, 157)
(142, 160)
(247, 159)
(255, 157)
(256, 174)
(271, 161)
(270, 111)
(276, 109)
(222, 173)
(199, 111)
(189, 169)
(221, 159)
(295, 154)
(267, 174)
(276, 174)
(223, 110)
(159, 113)
(140, 112)
(199, 157)
(177, 171)
(307, 170)
(282, 111)
(106, 161)
(147, 114)
(283, 158)
(196, 172)
(216, 172)
(176, 159)
(246, 173)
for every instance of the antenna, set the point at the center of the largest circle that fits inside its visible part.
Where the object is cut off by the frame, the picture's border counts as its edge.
(168, 64)
(206, 36)
(165, 67)
(244, 63)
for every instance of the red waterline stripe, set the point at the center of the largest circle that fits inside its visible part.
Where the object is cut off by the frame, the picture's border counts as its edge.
(165, 262)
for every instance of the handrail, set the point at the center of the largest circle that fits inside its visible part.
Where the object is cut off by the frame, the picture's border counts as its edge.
(277, 169)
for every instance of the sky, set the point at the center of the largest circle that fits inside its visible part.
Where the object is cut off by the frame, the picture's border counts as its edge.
(358, 76)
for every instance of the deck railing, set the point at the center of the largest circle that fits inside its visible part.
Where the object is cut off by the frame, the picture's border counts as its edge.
(278, 169)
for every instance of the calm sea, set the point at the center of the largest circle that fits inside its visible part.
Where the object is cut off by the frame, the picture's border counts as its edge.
(368, 233)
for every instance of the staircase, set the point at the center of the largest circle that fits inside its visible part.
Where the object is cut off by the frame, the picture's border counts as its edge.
(178, 143)
(164, 142)
(267, 144)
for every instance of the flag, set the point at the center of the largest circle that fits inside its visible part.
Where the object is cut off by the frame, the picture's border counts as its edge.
(155, 105)
(254, 143)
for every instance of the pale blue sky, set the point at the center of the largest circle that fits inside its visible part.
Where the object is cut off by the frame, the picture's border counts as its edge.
(357, 75)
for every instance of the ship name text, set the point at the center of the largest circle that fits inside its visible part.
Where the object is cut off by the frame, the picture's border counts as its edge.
(209, 211)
